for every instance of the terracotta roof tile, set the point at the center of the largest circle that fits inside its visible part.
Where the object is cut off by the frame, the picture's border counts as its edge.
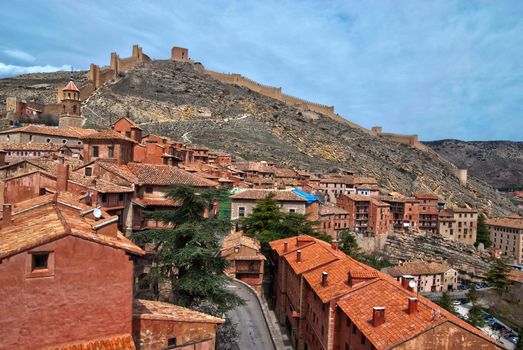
(45, 218)
(157, 310)
(108, 134)
(426, 196)
(293, 243)
(338, 179)
(9, 146)
(261, 194)
(164, 202)
(506, 222)
(418, 268)
(312, 256)
(285, 172)
(237, 239)
(165, 175)
(71, 86)
(70, 131)
(113, 342)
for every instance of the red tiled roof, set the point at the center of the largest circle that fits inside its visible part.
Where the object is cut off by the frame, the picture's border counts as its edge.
(160, 311)
(506, 222)
(46, 218)
(284, 172)
(133, 124)
(399, 325)
(312, 256)
(113, 342)
(261, 194)
(292, 243)
(71, 86)
(71, 132)
(165, 175)
(237, 239)
(426, 196)
(51, 147)
(338, 179)
(164, 202)
(418, 268)
(108, 134)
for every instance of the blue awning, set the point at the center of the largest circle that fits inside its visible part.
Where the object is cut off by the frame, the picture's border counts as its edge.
(309, 197)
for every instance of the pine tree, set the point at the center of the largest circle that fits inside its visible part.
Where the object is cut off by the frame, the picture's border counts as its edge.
(446, 302)
(187, 255)
(472, 294)
(348, 244)
(483, 235)
(497, 276)
(476, 316)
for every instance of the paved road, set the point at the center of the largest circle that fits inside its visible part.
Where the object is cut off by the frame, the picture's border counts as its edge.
(252, 329)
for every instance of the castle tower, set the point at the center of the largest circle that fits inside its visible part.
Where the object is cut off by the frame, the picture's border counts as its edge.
(70, 115)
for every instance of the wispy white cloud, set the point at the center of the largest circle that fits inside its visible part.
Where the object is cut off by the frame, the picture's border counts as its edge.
(19, 55)
(9, 70)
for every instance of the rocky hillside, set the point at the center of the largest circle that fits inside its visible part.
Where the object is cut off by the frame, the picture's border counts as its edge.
(178, 100)
(39, 87)
(499, 163)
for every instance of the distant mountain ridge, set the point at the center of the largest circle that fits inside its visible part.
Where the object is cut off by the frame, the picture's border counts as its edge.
(179, 100)
(499, 163)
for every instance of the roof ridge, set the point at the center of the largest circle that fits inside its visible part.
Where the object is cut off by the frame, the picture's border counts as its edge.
(65, 224)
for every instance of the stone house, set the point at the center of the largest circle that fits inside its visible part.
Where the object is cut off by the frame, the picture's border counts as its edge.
(459, 224)
(506, 234)
(429, 277)
(366, 214)
(333, 220)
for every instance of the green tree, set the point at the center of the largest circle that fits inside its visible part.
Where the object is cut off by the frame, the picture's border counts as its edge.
(187, 256)
(483, 235)
(268, 223)
(519, 344)
(446, 302)
(472, 294)
(497, 276)
(349, 245)
(476, 316)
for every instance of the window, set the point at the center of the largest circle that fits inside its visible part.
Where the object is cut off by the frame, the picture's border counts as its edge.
(88, 171)
(120, 197)
(171, 342)
(39, 261)
(241, 212)
(148, 189)
(362, 339)
(64, 141)
(63, 108)
(292, 210)
(104, 197)
(74, 109)
(30, 137)
(48, 140)
(42, 192)
(96, 151)
(128, 134)
(110, 151)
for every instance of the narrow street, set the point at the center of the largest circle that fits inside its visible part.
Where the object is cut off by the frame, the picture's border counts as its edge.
(253, 333)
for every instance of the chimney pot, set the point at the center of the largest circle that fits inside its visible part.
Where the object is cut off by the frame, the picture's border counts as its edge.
(405, 279)
(324, 276)
(334, 244)
(298, 255)
(285, 246)
(378, 316)
(413, 305)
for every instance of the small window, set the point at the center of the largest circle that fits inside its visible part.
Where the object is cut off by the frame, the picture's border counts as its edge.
(110, 151)
(42, 192)
(48, 140)
(171, 342)
(96, 151)
(148, 189)
(88, 171)
(128, 134)
(39, 261)
(30, 137)
(120, 197)
(64, 141)
(292, 210)
(104, 197)
(74, 109)
(241, 212)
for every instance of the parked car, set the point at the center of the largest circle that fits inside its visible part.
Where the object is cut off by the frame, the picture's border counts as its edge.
(513, 340)
(456, 302)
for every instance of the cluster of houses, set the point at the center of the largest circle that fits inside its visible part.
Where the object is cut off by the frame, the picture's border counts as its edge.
(70, 196)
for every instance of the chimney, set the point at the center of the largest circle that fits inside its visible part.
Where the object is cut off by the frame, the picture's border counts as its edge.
(413, 305)
(405, 279)
(6, 215)
(62, 177)
(285, 246)
(298, 255)
(324, 276)
(334, 244)
(378, 316)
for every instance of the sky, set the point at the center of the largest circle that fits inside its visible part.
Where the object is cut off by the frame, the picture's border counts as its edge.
(439, 69)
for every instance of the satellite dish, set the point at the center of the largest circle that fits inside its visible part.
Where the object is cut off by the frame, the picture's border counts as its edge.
(412, 284)
(97, 213)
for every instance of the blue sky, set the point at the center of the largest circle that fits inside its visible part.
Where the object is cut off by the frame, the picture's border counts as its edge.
(440, 69)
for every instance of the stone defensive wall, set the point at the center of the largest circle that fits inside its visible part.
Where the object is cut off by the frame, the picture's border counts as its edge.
(276, 93)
